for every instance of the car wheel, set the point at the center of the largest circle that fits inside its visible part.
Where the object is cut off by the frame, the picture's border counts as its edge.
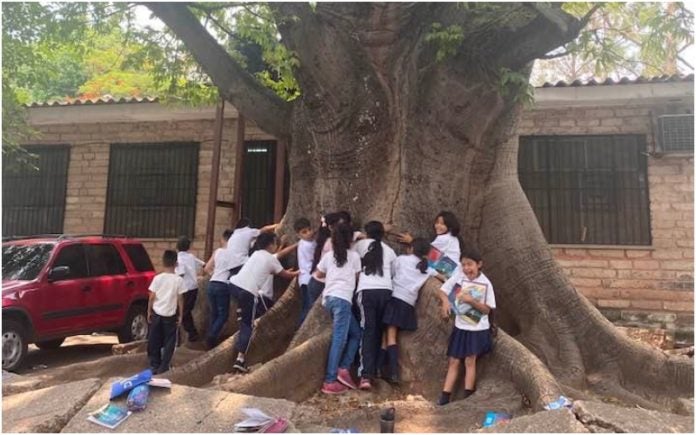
(14, 344)
(136, 327)
(50, 344)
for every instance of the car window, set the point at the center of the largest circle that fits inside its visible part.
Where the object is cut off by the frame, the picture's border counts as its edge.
(24, 262)
(138, 255)
(104, 260)
(72, 256)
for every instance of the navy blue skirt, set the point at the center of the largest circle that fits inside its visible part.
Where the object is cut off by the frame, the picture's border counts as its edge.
(464, 343)
(400, 314)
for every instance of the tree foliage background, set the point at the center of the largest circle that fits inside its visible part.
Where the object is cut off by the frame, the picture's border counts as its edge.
(62, 51)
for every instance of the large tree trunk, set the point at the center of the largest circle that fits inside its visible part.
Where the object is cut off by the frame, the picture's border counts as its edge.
(386, 131)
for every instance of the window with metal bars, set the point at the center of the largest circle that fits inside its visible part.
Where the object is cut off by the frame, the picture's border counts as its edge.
(152, 189)
(33, 192)
(587, 189)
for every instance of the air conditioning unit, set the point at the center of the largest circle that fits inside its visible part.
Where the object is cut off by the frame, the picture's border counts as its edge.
(676, 133)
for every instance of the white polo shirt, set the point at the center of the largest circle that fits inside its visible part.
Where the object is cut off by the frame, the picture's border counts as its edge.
(408, 279)
(340, 281)
(187, 268)
(167, 287)
(239, 244)
(459, 278)
(253, 276)
(375, 281)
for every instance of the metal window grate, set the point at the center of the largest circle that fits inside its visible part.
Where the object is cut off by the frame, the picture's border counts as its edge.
(152, 189)
(587, 189)
(676, 132)
(33, 198)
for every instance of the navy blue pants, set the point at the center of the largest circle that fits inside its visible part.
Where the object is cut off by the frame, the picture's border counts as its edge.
(219, 299)
(162, 341)
(252, 308)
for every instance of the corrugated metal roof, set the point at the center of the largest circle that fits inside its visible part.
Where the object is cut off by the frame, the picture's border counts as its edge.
(108, 99)
(622, 81)
(105, 99)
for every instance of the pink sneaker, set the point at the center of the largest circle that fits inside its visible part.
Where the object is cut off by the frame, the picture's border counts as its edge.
(365, 384)
(333, 388)
(346, 379)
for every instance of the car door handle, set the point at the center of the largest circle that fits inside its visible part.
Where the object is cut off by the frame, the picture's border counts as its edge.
(130, 284)
(86, 288)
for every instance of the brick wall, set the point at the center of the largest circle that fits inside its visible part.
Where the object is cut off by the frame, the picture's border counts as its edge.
(89, 166)
(651, 286)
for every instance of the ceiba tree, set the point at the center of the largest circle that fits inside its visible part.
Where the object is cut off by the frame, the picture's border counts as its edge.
(406, 109)
(400, 117)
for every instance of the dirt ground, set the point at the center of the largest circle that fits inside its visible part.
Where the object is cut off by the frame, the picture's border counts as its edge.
(80, 348)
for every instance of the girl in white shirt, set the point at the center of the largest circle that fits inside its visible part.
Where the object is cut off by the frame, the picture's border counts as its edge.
(410, 273)
(340, 267)
(374, 291)
(447, 237)
(471, 336)
(254, 285)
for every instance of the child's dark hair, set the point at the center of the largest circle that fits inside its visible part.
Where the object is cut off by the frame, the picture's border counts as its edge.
(169, 258)
(344, 216)
(451, 222)
(453, 226)
(323, 234)
(373, 261)
(183, 244)
(341, 239)
(301, 224)
(243, 222)
(421, 248)
(263, 241)
(227, 234)
(471, 253)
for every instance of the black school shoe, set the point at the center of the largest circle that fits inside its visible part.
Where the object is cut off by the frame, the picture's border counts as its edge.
(240, 366)
(444, 399)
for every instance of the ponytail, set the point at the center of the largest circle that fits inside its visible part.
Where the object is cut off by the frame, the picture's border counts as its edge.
(421, 248)
(323, 235)
(373, 261)
(341, 238)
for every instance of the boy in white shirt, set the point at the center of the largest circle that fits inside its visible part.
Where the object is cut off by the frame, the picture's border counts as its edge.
(305, 256)
(166, 296)
(188, 267)
(241, 240)
(254, 285)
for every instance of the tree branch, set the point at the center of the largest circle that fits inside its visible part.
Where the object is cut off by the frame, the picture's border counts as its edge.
(255, 101)
(586, 18)
(684, 61)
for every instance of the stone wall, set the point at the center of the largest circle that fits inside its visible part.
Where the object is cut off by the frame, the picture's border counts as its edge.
(645, 286)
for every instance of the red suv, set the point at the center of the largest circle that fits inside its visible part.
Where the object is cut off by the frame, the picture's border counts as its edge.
(60, 285)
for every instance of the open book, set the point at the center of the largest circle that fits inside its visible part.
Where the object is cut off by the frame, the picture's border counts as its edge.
(440, 262)
(259, 421)
(465, 311)
(109, 415)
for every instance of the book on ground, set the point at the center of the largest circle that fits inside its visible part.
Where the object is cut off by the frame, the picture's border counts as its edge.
(160, 382)
(109, 415)
(259, 421)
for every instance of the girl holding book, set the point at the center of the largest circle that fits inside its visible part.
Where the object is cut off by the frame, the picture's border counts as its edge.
(447, 241)
(410, 273)
(470, 295)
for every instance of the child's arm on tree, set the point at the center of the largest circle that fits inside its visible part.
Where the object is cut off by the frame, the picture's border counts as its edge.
(268, 228)
(288, 274)
(285, 251)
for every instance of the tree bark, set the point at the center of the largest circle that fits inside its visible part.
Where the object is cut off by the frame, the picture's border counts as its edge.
(384, 130)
